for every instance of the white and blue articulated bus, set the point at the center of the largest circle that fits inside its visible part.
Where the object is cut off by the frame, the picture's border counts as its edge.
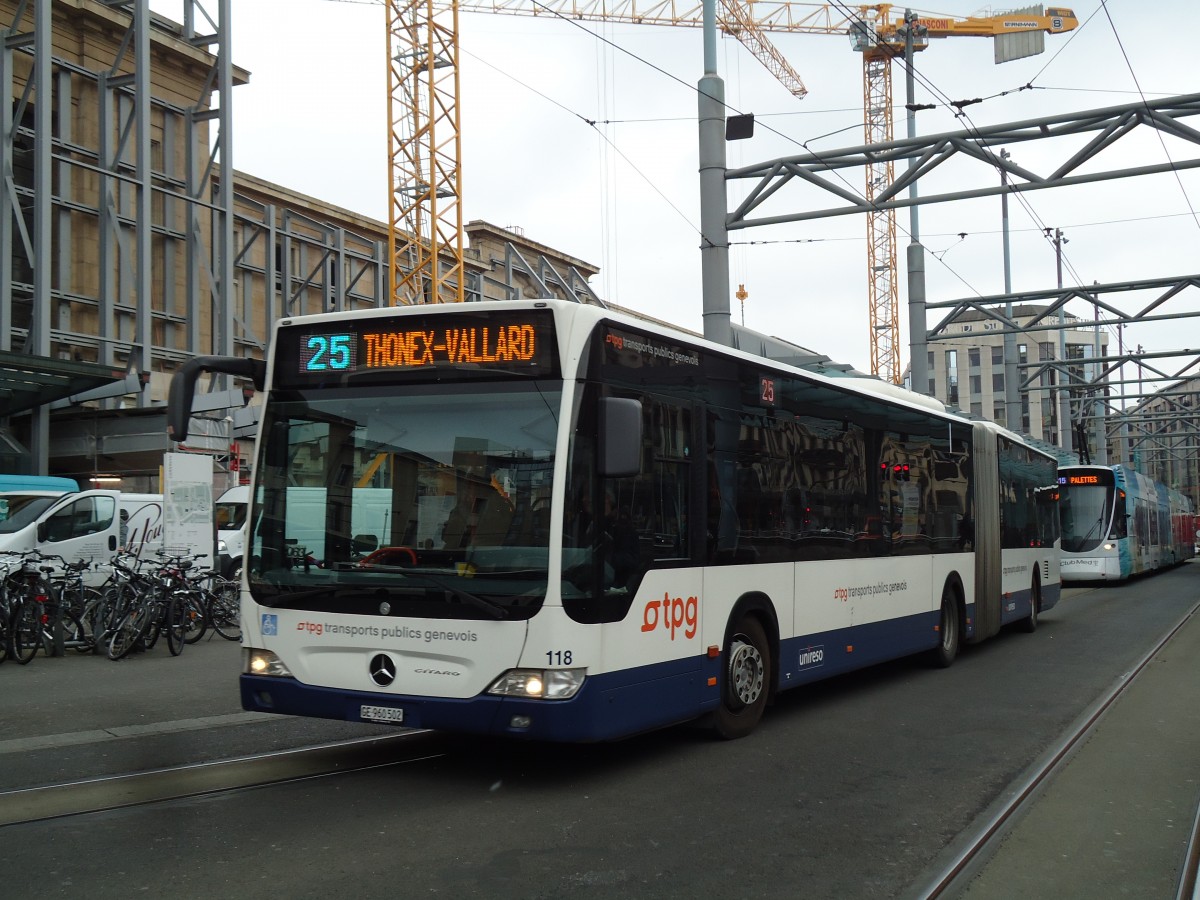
(1117, 522)
(577, 525)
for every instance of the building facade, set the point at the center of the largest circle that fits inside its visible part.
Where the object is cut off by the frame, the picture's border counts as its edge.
(966, 369)
(1161, 437)
(127, 246)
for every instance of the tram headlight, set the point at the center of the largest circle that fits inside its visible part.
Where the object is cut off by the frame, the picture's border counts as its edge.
(539, 684)
(263, 662)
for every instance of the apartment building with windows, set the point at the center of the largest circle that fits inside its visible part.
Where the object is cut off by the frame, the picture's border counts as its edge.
(966, 368)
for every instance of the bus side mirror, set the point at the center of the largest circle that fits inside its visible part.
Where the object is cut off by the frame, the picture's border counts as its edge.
(43, 532)
(620, 437)
(183, 386)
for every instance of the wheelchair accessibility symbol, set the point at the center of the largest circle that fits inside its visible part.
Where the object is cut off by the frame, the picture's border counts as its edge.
(270, 624)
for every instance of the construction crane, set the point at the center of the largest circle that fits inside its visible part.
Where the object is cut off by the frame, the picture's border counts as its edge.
(880, 38)
(425, 233)
(425, 226)
(426, 182)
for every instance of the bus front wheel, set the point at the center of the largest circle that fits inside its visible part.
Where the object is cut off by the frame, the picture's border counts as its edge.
(746, 684)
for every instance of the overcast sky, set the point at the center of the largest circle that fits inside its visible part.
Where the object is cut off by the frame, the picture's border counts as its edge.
(623, 193)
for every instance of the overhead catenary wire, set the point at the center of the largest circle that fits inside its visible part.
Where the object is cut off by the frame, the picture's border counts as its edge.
(1137, 84)
(807, 144)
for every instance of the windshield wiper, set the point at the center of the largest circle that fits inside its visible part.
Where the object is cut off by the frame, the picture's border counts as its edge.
(1095, 527)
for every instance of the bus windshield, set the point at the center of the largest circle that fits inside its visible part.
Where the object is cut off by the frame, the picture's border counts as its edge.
(431, 501)
(1085, 513)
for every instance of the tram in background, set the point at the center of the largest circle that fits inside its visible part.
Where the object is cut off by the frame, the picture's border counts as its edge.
(597, 526)
(1117, 522)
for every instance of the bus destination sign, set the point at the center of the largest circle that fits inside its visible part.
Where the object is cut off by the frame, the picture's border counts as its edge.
(521, 343)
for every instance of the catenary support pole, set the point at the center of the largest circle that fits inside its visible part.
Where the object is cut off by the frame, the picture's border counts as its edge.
(714, 240)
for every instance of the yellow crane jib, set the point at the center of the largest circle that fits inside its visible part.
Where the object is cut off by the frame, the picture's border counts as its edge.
(1018, 33)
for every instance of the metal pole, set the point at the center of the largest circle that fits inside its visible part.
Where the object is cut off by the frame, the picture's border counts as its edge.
(714, 235)
(1012, 397)
(917, 328)
(1100, 457)
(1064, 397)
(43, 211)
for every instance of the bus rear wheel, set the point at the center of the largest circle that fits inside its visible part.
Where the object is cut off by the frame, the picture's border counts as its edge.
(949, 632)
(1029, 624)
(746, 682)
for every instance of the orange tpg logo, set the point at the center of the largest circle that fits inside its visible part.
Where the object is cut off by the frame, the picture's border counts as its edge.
(672, 615)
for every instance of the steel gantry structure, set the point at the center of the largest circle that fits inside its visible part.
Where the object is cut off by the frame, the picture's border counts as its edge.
(424, 125)
(79, 134)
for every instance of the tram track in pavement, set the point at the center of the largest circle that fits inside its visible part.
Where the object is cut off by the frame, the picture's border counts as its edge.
(973, 849)
(112, 792)
(1189, 882)
(970, 851)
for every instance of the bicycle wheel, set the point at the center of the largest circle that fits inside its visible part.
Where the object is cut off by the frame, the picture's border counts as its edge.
(156, 611)
(25, 630)
(74, 633)
(224, 611)
(175, 624)
(195, 619)
(105, 614)
(92, 621)
(126, 633)
(4, 631)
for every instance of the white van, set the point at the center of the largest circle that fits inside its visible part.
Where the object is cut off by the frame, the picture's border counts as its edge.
(143, 521)
(230, 511)
(76, 525)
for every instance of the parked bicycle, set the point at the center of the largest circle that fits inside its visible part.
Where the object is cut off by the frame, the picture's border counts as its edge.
(222, 604)
(167, 604)
(33, 607)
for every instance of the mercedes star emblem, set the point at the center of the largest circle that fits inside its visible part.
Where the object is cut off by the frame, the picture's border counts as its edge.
(383, 670)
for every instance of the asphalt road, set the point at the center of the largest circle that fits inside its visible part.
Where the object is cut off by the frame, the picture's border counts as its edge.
(851, 788)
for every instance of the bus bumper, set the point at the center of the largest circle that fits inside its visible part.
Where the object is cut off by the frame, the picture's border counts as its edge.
(606, 707)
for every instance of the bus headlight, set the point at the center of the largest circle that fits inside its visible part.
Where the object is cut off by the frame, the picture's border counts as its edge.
(539, 684)
(263, 662)
(1110, 546)
(222, 547)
